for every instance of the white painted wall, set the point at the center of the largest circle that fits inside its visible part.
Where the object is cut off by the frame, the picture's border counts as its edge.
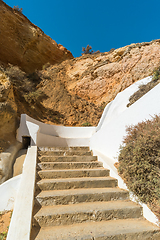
(45, 140)
(53, 130)
(110, 136)
(52, 135)
(119, 104)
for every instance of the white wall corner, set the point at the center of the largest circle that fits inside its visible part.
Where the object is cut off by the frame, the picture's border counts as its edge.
(27, 129)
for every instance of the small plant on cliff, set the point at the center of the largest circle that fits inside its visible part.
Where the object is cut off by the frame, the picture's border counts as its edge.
(18, 9)
(156, 74)
(3, 236)
(86, 124)
(33, 97)
(139, 162)
(87, 50)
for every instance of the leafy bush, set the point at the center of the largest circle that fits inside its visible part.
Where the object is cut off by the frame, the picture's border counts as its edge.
(139, 162)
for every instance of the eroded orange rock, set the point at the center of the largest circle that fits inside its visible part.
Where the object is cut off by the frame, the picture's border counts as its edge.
(24, 44)
(99, 77)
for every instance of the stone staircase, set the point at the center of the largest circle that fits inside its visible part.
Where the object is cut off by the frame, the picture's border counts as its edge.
(80, 201)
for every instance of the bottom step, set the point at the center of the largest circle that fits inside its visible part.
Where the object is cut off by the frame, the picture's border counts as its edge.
(129, 229)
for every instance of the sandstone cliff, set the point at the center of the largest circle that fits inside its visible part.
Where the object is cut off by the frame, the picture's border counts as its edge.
(8, 112)
(75, 91)
(67, 91)
(24, 44)
(99, 77)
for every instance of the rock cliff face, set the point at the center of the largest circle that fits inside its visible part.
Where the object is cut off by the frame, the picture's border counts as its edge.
(99, 77)
(75, 91)
(69, 91)
(8, 112)
(24, 44)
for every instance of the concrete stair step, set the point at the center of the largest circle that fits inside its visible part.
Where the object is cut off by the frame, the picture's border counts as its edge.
(63, 148)
(73, 173)
(125, 229)
(85, 212)
(79, 201)
(67, 158)
(73, 196)
(74, 183)
(65, 153)
(69, 165)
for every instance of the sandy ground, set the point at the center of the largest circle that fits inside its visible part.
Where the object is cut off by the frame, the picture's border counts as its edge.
(5, 219)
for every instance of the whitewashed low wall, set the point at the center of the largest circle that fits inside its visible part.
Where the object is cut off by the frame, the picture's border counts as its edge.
(20, 226)
(28, 127)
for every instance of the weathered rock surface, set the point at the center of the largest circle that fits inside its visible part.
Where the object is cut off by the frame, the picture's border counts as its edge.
(75, 91)
(69, 91)
(24, 44)
(100, 77)
(8, 112)
(81, 87)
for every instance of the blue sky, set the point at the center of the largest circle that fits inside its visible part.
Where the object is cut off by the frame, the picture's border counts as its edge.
(102, 24)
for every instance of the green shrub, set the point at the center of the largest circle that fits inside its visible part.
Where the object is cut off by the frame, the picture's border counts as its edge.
(3, 236)
(86, 124)
(156, 74)
(35, 96)
(46, 65)
(103, 105)
(139, 162)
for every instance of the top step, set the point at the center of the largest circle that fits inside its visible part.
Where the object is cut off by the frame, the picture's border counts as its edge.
(64, 149)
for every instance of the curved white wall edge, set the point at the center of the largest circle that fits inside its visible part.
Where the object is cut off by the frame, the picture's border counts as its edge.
(103, 117)
(20, 226)
(109, 164)
(8, 192)
(119, 104)
(108, 139)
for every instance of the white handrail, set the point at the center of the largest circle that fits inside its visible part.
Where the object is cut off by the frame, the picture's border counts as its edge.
(20, 226)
